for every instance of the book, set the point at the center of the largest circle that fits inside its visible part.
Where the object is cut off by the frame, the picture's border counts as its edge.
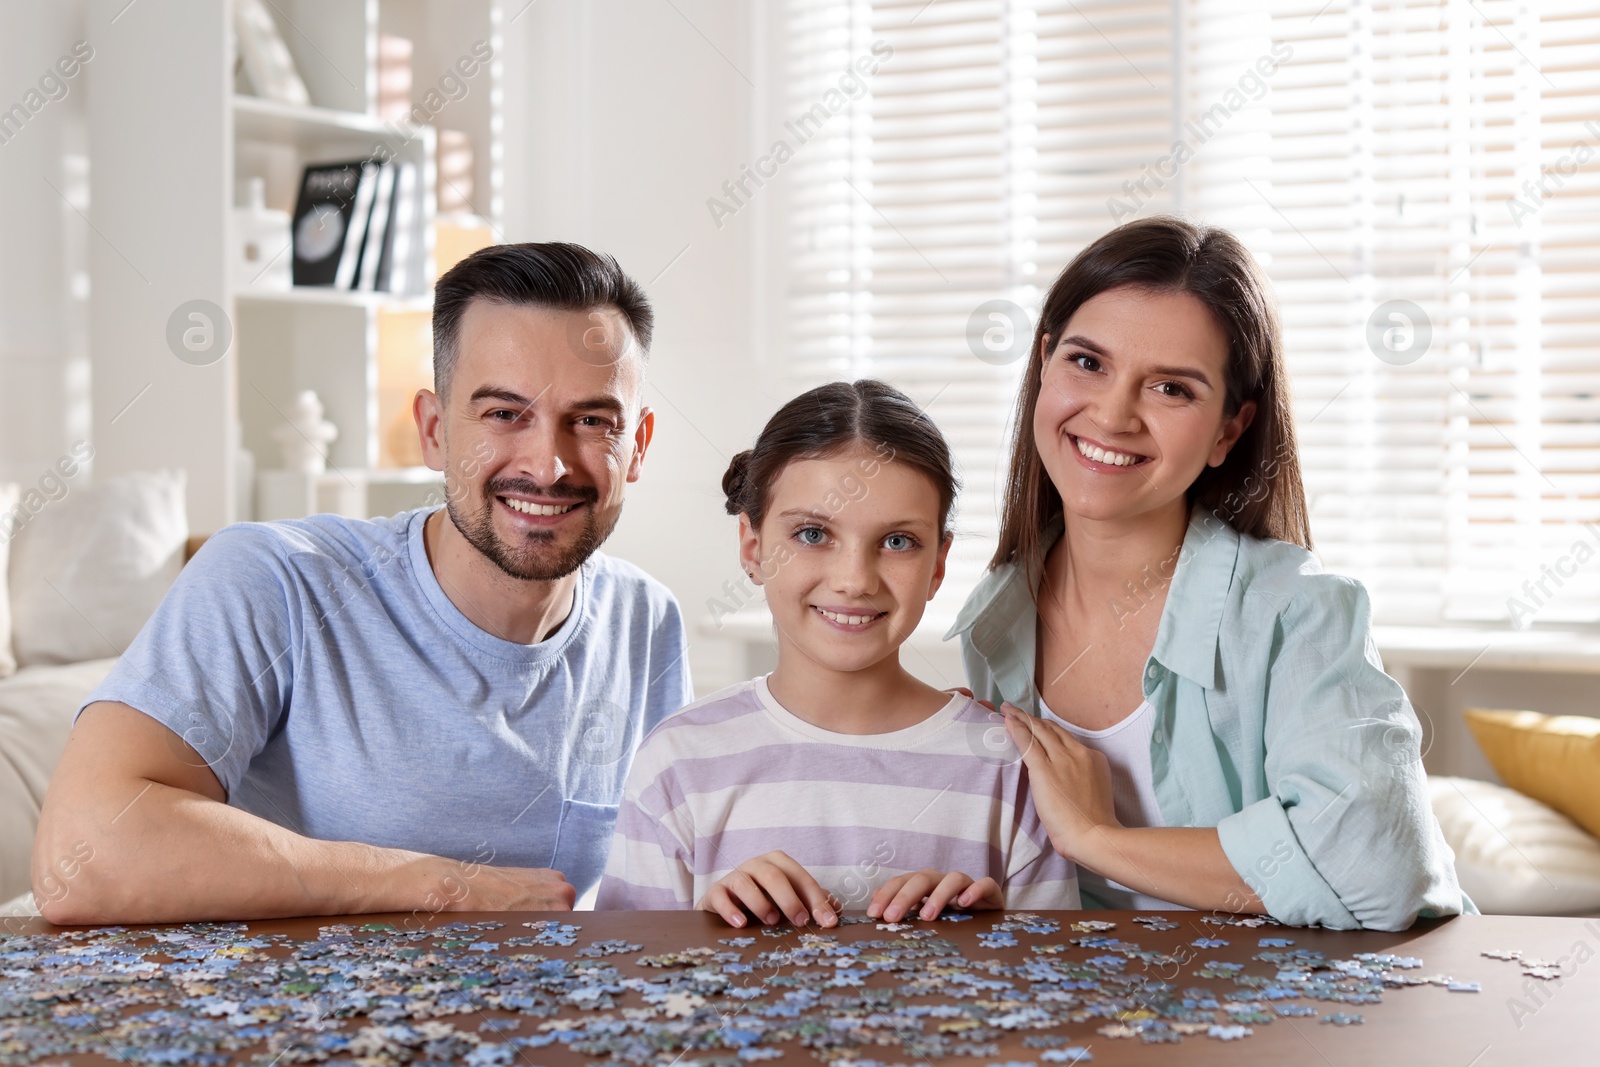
(396, 272)
(377, 228)
(323, 218)
(360, 215)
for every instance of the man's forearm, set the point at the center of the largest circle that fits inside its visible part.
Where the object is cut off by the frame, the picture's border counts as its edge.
(163, 854)
(1185, 865)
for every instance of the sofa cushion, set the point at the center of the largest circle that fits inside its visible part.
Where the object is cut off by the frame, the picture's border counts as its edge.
(1514, 855)
(37, 705)
(1552, 758)
(89, 570)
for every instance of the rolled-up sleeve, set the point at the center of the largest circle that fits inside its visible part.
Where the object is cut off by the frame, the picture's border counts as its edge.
(1346, 837)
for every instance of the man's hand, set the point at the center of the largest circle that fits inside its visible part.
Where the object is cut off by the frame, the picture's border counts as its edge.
(475, 887)
(935, 890)
(770, 887)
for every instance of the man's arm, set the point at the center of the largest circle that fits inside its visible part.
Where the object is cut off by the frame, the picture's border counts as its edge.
(162, 845)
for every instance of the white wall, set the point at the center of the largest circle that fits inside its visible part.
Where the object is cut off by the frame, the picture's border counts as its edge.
(622, 119)
(44, 371)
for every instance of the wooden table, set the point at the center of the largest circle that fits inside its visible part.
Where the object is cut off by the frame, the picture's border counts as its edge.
(1514, 1020)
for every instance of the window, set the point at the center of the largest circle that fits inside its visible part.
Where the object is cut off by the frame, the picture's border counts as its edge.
(1420, 180)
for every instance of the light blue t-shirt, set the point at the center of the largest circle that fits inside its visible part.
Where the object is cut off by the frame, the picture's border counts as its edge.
(335, 690)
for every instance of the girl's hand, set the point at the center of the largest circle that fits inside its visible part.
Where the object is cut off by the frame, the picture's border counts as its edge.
(1070, 784)
(940, 890)
(770, 887)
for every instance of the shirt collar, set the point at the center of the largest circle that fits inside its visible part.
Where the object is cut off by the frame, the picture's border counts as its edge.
(1191, 622)
(1198, 595)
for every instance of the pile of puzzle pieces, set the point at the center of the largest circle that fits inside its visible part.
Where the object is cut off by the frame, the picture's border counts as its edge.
(485, 993)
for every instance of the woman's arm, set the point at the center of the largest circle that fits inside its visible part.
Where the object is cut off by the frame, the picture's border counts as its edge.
(1071, 788)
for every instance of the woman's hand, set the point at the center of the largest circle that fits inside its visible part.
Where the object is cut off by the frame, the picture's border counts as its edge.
(770, 887)
(1070, 784)
(939, 889)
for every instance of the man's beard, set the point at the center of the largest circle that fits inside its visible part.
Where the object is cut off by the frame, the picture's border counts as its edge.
(537, 558)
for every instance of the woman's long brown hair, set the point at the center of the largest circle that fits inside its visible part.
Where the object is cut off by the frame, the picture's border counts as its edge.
(1257, 490)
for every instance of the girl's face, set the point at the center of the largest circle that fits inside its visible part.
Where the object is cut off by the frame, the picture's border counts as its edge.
(849, 552)
(1131, 409)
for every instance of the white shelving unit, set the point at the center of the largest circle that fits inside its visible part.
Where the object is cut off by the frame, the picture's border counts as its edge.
(176, 221)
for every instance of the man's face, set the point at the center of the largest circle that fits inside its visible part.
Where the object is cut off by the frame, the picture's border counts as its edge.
(541, 431)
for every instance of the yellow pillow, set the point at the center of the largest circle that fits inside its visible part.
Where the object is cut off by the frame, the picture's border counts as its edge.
(1551, 758)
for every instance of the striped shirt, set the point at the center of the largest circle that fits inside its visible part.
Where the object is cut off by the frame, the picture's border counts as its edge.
(736, 775)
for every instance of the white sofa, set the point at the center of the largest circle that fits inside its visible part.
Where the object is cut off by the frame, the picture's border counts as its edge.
(36, 709)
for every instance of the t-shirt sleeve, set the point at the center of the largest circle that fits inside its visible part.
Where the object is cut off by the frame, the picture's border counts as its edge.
(648, 867)
(669, 686)
(1037, 876)
(215, 663)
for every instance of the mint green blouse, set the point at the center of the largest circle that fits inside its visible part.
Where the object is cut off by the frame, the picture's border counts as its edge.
(1275, 723)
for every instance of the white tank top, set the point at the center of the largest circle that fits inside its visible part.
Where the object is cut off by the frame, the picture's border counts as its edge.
(1126, 747)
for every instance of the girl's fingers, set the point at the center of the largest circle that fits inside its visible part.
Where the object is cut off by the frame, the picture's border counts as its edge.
(983, 894)
(942, 894)
(747, 892)
(719, 902)
(916, 887)
(885, 893)
(816, 898)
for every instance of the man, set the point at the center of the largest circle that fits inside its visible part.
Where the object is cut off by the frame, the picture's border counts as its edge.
(434, 711)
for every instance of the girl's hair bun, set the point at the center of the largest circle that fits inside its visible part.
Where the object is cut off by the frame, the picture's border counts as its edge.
(736, 482)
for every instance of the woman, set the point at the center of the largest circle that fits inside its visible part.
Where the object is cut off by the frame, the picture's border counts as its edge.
(1205, 720)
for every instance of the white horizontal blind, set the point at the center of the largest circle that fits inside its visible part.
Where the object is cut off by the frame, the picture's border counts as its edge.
(980, 157)
(1368, 151)
(1382, 166)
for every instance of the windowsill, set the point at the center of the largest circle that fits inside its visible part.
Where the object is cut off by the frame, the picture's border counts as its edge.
(1489, 647)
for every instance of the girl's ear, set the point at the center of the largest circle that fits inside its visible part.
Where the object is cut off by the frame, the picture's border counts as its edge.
(749, 549)
(1232, 430)
(938, 570)
(1044, 354)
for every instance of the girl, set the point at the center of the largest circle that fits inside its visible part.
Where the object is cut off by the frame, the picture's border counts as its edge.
(838, 777)
(1202, 710)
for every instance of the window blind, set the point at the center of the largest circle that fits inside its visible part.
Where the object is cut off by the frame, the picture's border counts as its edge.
(973, 166)
(1421, 181)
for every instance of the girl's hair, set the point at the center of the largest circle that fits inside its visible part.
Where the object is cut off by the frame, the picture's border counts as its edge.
(1257, 489)
(829, 419)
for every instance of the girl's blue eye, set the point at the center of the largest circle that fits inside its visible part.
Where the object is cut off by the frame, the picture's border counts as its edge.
(805, 535)
(900, 542)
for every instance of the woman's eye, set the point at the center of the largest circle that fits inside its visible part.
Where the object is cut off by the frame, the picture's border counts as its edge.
(810, 535)
(1176, 390)
(899, 542)
(1080, 357)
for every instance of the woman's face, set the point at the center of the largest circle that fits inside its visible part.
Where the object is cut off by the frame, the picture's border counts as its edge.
(1131, 405)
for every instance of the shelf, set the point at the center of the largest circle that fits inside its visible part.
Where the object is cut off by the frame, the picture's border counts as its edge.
(259, 119)
(401, 475)
(327, 296)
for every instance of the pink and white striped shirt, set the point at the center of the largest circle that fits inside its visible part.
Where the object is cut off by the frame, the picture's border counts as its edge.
(736, 775)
